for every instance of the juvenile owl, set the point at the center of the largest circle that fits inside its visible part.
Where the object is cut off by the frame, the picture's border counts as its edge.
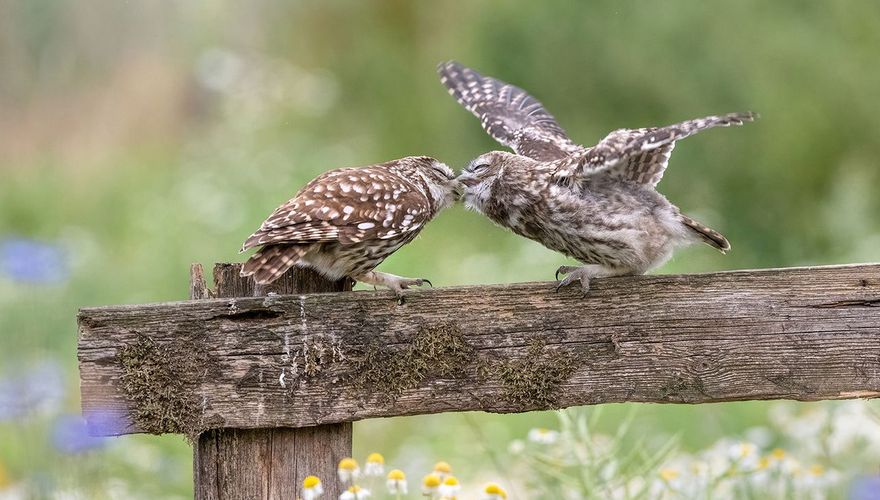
(346, 221)
(597, 204)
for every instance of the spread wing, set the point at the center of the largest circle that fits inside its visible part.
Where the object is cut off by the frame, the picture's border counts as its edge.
(509, 114)
(347, 205)
(641, 155)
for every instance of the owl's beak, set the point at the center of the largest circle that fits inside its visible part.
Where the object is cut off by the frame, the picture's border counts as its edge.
(458, 189)
(466, 182)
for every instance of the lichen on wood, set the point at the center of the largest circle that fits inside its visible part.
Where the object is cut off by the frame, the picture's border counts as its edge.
(435, 352)
(534, 380)
(157, 380)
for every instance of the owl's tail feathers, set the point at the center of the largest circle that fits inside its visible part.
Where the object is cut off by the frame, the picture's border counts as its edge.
(707, 234)
(268, 264)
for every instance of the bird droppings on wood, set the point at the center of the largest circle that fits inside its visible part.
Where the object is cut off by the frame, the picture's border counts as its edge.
(317, 354)
(157, 380)
(533, 380)
(436, 352)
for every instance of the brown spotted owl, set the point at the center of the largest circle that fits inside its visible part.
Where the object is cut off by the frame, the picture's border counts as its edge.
(596, 204)
(346, 221)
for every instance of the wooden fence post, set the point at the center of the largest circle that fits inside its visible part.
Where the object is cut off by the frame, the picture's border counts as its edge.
(266, 463)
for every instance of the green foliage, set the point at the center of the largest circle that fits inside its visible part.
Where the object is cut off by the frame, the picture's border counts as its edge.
(142, 137)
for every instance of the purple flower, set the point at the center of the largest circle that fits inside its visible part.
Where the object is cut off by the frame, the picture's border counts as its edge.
(102, 422)
(70, 435)
(40, 389)
(8, 403)
(866, 488)
(29, 261)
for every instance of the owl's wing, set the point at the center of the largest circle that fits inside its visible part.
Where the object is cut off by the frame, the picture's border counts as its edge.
(346, 205)
(641, 155)
(509, 114)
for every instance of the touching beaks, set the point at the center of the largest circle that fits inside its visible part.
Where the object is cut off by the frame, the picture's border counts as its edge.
(458, 189)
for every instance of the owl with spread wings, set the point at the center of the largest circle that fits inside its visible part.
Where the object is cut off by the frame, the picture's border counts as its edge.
(596, 204)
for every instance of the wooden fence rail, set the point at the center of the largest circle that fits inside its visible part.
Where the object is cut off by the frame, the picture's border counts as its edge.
(305, 360)
(301, 360)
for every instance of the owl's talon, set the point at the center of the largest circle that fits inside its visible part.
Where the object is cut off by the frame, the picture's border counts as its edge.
(428, 282)
(572, 274)
(397, 284)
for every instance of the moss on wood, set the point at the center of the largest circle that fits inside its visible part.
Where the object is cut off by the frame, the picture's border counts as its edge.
(533, 381)
(435, 352)
(158, 381)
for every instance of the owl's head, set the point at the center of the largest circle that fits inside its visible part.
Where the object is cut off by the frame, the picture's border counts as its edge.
(439, 179)
(478, 177)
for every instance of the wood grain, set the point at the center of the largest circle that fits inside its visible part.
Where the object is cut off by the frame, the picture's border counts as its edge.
(265, 463)
(301, 360)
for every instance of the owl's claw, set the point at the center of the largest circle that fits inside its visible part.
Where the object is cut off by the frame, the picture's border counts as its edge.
(572, 274)
(404, 284)
(396, 284)
(563, 270)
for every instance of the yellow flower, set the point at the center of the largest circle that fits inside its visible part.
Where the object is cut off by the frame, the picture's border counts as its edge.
(450, 487)
(817, 470)
(543, 436)
(669, 474)
(355, 493)
(4, 479)
(348, 470)
(743, 450)
(312, 488)
(375, 465)
(493, 491)
(396, 482)
(431, 483)
(778, 454)
(763, 463)
(442, 469)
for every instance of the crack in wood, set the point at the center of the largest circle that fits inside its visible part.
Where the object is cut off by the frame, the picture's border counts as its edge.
(847, 303)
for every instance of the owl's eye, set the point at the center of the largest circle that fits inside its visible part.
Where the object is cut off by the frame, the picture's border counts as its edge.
(478, 167)
(445, 172)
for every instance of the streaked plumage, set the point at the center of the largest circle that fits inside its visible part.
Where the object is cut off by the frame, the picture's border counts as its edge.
(346, 221)
(595, 204)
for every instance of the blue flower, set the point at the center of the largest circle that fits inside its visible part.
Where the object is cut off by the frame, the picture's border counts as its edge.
(866, 488)
(103, 422)
(70, 435)
(40, 389)
(30, 261)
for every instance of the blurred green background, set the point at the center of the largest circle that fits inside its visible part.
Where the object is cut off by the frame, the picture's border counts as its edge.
(138, 137)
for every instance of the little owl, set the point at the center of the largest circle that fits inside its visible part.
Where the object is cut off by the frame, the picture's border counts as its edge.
(346, 221)
(598, 204)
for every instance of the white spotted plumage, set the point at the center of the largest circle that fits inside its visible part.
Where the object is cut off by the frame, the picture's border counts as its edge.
(346, 221)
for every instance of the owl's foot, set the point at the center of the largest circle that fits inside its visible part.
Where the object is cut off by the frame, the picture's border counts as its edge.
(574, 273)
(396, 284)
(587, 272)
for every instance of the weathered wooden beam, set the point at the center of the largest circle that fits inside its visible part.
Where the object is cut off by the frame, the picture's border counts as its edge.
(803, 333)
(265, 463)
